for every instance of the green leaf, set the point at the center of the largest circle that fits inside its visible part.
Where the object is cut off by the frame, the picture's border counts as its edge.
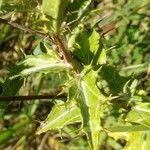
(55, 9)
(138, 141)
(129, 128)
(32, 64)
(135, 69)
(8, 84)
(110, 74)
(140, 114)
(88, 100)
(94, 41)
(96, 47)
(60, 116)
(87, 48)
(84, 7)
(80, 7)
(39, 63)
(102, 57)
(79, 44)
(40, 49)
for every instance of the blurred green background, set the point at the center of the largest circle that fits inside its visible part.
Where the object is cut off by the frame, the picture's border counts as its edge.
(125, 26)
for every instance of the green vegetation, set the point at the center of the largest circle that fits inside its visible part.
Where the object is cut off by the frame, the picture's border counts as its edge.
(75, 75)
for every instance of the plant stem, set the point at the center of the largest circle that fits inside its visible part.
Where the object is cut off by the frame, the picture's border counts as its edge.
(66, 54)
(23, 28)
(32, 97)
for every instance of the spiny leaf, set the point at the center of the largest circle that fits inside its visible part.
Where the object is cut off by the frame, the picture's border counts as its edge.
(97, 48)
(32, 64)
(60, 116)
(88, 100)
(79, 44)
(94, 41)
(87, 48)
(42, 63)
